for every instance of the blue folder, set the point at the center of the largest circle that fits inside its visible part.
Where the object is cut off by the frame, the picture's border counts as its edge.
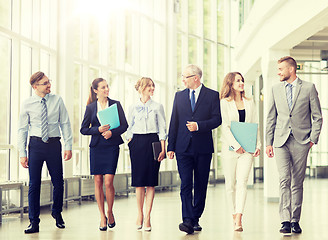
(109, 116)
(245, 134)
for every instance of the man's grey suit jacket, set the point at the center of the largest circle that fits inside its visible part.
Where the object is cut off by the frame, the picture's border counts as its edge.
(304, 119)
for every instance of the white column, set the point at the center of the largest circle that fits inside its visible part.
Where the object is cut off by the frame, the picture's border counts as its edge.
(269, 70)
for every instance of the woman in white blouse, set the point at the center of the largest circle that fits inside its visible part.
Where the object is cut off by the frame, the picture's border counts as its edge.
(237, 163)
(146, 121)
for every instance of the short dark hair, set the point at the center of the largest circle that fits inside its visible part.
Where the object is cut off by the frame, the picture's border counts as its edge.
(291, 61)
(36, 77)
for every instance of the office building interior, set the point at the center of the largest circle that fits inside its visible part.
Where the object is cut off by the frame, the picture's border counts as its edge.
(75, 41)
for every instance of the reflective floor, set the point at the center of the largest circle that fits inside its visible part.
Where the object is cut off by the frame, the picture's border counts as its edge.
(261, 219)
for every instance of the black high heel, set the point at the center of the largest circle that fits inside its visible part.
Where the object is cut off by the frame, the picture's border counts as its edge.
(111, 225)
(104, 228)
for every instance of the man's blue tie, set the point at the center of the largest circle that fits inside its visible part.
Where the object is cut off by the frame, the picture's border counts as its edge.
(44, 121)
(192, 99)
(289, 95)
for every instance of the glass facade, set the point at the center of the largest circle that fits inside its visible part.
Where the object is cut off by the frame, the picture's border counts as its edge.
(133, 40)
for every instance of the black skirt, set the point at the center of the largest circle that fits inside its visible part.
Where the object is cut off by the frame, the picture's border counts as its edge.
(144, 168)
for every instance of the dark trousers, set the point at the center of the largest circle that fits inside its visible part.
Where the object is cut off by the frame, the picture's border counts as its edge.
(194, 171)
(40, 152)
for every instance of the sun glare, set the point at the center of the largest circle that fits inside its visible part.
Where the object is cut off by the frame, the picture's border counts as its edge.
(101, 8)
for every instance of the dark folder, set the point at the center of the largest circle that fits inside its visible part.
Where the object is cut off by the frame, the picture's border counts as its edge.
(157, 149)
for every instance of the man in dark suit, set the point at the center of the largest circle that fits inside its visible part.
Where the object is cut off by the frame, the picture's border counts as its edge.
(196, 111)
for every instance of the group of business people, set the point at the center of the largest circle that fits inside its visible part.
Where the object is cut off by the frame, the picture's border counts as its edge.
(293, 126)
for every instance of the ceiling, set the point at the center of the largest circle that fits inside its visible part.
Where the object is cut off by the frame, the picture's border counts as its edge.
(310, 48)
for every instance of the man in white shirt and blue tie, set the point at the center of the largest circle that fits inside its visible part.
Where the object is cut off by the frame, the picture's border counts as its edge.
(40, 118)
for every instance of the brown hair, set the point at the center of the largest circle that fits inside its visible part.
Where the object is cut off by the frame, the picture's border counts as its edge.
(291, 62)
(142, 84)
(36, 77)
(94, 86)
(227, 90)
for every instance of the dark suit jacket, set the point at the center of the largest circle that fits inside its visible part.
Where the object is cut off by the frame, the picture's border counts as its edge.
(90, 118)
(206, 114)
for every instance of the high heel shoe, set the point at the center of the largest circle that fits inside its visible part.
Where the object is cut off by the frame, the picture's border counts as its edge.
(103, 228)
(238, 228)
(147, 229)
(111, 225)
(139, 227)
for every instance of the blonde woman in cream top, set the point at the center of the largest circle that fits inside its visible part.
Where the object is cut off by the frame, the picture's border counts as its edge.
(237, 163)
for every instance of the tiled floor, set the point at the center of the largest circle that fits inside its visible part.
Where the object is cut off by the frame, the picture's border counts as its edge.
(261, 219)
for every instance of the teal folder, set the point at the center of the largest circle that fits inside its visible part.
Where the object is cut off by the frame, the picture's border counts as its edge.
(245, 134)
(109, 116)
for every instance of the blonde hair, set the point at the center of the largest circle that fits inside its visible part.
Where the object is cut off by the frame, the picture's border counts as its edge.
(227, 91)
(142, 83)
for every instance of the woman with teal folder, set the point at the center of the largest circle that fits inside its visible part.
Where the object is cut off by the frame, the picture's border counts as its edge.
(236, 161)
(104, 147)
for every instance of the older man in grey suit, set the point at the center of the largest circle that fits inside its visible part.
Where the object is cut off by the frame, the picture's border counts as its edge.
(293, 126)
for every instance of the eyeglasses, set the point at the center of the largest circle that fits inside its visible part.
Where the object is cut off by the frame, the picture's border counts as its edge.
(188, 76)
(45, 83)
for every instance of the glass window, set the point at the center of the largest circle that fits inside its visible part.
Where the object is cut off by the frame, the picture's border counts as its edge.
(220, 68)
(193, 51)
(76, 123)
(5, 79)
(159, 60)
(208, 16)
(93, 44)
(93, 74)
(114, 87)
(77, 38)
(160, 10)
(193, 17)
(112, 45)
(45, 62)
(26, 18)
(5, 13)
(45, 22)
(146, 47)
(128, 38)
(4, 163)
(220, 20)
(207, 66)
(25, 72)
(179, 61)
(146, 7)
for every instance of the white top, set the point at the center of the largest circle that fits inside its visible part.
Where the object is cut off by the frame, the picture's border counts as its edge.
(146, 118)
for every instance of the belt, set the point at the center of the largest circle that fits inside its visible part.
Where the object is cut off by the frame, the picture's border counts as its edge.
(51, 139)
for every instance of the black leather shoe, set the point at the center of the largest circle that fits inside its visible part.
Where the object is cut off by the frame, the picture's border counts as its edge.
(285, 228)
(32, 228)
(296, 227)
(186, 227)
(197, 227)
(59, 220)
